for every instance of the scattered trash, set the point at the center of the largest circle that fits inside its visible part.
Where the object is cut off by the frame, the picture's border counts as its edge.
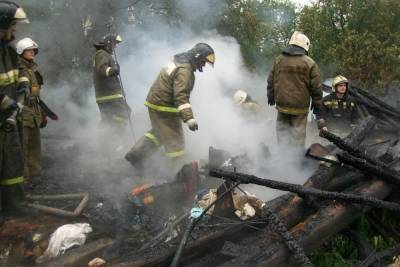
(96, 262)
(246, 206)
(65, 237)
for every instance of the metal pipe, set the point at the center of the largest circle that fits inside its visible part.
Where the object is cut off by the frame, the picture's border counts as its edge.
(56, 211)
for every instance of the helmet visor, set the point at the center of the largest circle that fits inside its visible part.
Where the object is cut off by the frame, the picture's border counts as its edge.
(211, 59)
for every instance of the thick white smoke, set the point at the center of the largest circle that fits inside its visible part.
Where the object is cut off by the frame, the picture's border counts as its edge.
(144, 51)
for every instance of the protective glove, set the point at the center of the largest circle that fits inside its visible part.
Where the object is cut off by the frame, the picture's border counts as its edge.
(43, 123)
(271, 101)
(192, 124)
(114, 71)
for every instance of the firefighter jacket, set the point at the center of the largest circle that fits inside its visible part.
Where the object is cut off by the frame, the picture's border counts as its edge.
(339, 113)
(31, 112)
(171, 90)
(13, 83)
(293, 79)
(107, 86)
(12, 76)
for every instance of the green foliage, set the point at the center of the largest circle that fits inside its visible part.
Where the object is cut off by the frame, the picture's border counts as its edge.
(357, 38)
(262, 28)
(341, 251)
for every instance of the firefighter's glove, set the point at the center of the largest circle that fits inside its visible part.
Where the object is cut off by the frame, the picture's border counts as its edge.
(114, 71)
(192, 124)
(43, 123)
(271, 101)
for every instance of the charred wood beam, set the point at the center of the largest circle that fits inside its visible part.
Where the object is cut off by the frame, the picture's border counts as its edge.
(289, 207)
(376, 168)
(192, 223)
(346, 145)
(203, 244)
(276, 225)
(316, 229)
(383, 105)
(363, 247)
(304, 191)
(81, 256)
(375, 257)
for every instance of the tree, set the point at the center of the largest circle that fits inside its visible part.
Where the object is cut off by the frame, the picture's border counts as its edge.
(360, 39)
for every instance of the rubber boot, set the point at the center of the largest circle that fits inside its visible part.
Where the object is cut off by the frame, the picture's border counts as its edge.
(140, 152)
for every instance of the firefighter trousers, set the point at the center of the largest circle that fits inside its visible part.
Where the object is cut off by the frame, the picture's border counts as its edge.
(11, 171)
(166, 131)
(291, 129)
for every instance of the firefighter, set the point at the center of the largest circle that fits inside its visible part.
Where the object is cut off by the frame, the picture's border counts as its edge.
(339, 109)
(110, 98)
(248, 107)
(293, 80)
(32, 116)
(168, 104)
(13, 87)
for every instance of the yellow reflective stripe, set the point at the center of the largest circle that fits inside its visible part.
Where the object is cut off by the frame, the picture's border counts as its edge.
(160, 108)
(12, 181)
(9, 77)
(292, 111)
(108, 97)
(153, 138)
(23, 79)
(175, 154)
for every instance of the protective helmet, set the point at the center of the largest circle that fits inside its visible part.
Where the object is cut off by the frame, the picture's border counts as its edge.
(26, 44)
(239, 97)
(338, 80)
(10, 12)
(299, 39)
(112, 39)
(202, 52)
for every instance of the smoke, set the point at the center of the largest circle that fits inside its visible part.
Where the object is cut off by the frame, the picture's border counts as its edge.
(146, 48)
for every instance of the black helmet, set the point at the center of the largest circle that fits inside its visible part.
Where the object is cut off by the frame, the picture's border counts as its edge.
(10, 12)
(107, 41)
(201, 53)
(112, 39)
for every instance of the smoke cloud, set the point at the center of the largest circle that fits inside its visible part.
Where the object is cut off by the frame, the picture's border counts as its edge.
(147, 47)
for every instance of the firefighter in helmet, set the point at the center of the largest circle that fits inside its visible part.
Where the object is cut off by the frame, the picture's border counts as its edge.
(294, 79)
(168, 104)
(32, 117)
(14, 85)
(339, 109)
(110, 97)
(247, 107)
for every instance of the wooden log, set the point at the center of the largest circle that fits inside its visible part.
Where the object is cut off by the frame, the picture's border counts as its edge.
(80, 256)
(319, 227)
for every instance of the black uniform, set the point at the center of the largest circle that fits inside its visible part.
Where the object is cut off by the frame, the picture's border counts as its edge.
(339, 113)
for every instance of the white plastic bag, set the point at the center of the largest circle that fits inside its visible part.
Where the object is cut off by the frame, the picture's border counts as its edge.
(65, 237)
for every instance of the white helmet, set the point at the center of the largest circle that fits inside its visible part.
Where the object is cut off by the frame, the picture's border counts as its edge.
(239, 97)
(338, 80)
(26, 43)
(299, 39)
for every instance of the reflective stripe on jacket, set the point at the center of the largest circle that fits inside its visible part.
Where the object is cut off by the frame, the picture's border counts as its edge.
(107, 88)
(171, 90)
